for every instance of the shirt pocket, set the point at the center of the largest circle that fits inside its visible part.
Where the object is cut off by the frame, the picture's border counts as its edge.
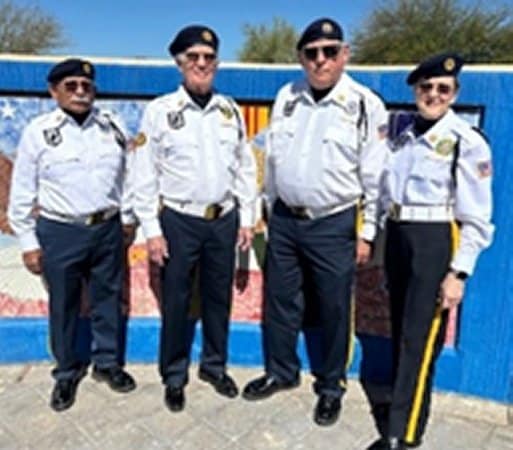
(177, 151)
(60, 167)
(430, 176)
(228, 139)
(340, 145)
(281, 138)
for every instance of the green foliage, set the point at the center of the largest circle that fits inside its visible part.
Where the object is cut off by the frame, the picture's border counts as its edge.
(27, 29)
(406, 31)
(269, 44)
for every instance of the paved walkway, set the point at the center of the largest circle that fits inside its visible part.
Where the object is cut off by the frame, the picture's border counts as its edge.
(107, 420)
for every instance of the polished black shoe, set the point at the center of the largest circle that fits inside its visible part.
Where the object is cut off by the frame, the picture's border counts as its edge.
(265, 386)
(117, 379)
(327, 410)
(222, 383)
(63, 395)
(379, 444)
(392, 444)
(174, 398)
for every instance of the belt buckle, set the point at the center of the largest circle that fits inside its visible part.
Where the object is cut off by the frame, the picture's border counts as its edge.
(299, 211)
(212, 212)
(95, 218)
(395, 212)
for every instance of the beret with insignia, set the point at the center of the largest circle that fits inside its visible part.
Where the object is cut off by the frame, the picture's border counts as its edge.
(192, 35)
(72, 67)
(443, 64)
(320, 29)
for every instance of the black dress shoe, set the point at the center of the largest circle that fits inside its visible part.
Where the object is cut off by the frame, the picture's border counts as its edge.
(222, 383)
(380, 444)
(63, 394)
(266, 386)
(174, 398)
(327, 410)
(117, 379)
(392, 444)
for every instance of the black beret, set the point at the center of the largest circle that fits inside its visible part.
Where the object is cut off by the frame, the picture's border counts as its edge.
(320, 29)
(73, 67)
(191, 35)
(443, 64)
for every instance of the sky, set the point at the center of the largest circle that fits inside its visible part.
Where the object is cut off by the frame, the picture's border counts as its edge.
(144, 28)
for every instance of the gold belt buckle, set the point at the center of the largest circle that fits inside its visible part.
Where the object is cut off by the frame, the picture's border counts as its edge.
(212, 212)
(95, 218)
(395, 212)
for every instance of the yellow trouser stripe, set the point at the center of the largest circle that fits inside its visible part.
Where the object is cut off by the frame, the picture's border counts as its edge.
(421, 381)
(428, 352)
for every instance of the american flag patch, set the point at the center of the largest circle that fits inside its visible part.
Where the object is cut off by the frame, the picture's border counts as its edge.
(484, 168)
(383, 131)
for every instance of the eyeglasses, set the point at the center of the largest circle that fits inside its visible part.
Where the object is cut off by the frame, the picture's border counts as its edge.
(440, 88)
(72, 86)
(329, 52)
(194, 57)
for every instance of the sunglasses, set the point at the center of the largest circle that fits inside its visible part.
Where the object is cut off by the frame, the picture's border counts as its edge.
(440, 88)
(72, 86)
(329, 52)
(194, 57)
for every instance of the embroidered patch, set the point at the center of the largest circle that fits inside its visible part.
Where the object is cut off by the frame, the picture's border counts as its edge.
(484, 169)
(289, 107)
(176, 120)
(445, 147)
(351, 107)
(227, 112)
(52, 136)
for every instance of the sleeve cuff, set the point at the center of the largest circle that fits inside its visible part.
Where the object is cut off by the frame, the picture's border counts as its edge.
(151, 228)
(368, 232)
(246, 217)
(28, 241)
(128, 218)
(463, 263)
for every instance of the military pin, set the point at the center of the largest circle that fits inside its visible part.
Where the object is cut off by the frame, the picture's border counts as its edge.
(288, 108)
(175, 120)
(53, 136)
(351, 107)
(445, 147)
(226, 112)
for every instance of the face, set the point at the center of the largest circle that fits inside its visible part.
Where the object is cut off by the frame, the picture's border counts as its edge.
(76, 94)
(435, 95)
(198, 65)
(324, 61)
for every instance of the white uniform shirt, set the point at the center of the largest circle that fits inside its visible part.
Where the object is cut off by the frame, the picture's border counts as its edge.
(63, 168)
(326, 154)
(418, 172)
(189, 154)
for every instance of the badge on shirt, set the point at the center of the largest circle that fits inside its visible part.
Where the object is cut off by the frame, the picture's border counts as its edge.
(175, 119)
(484, 169)
(138, 140)
(351, 107)
(445, 147)
(289, 107)
(227, 112)
(52, 136)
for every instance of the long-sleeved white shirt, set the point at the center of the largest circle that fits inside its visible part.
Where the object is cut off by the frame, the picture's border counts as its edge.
(190, 154)
(68, 169)
(418, 173)
(330, 153)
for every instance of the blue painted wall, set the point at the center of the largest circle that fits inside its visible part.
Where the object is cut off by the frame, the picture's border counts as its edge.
(482, 361)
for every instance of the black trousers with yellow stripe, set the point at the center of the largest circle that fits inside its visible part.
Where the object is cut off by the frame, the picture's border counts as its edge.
(417, 257)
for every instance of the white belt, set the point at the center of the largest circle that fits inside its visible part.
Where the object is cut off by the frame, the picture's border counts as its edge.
(86, 219)
(317, 213)
(435, 213)
(207, 211)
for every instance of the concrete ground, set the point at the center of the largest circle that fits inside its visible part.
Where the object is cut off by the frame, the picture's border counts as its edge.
(104, 419)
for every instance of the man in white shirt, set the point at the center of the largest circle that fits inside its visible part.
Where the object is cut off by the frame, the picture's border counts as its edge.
(68, 182)
(325, 152)
(194, 196)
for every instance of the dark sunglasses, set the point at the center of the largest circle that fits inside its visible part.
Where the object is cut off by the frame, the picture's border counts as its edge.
(195, 57)
(441, 88)
(72, 86)
(329, 51)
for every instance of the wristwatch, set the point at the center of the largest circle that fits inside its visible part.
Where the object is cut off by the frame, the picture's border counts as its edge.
(460, 275)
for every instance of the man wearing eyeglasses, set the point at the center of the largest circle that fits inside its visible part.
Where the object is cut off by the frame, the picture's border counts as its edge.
(195, 193)
(65, 207)
(325, 152)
